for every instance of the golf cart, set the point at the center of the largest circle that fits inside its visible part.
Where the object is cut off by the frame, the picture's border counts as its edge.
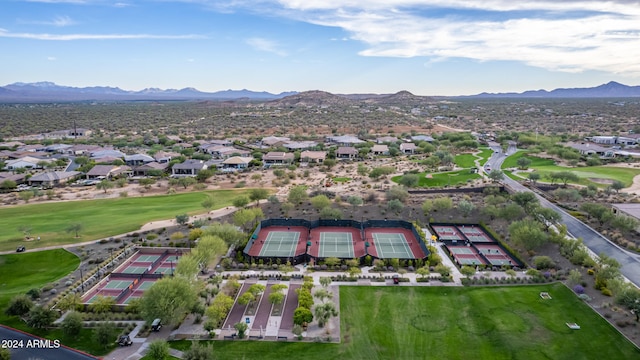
(124, 340)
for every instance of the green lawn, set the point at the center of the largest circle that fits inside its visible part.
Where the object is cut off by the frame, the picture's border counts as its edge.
(452, 323)
(450, 178)
(465, 160)
(485, 154)
(547, 166)
(100, 218)
(341, 179)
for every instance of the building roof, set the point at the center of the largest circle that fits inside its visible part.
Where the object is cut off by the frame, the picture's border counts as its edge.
(272, 140)
(408, 146)
(278, 155)
(236, 160)
(101, 170)
(422, 138)
(53, 176)
(347, 150)
(388, 139)
(589, 147)
(138, 157)
(630, 209)
(190, 164)
(345, 139)
(313, 154)
(293, 145)
(379, 148)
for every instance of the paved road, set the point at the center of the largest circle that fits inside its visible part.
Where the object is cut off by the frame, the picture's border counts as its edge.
(592, 239)
(26, 346)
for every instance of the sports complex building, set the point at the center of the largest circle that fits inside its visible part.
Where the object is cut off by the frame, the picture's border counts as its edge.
(135, 275)
(299, 240)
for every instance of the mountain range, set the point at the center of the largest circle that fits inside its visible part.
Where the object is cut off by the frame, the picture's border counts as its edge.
(51, 92)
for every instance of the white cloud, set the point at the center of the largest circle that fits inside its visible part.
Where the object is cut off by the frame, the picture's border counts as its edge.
(60, 1)
(266, 45)
(570, 35)
(51, 58)
(67, 37)
(58, 21)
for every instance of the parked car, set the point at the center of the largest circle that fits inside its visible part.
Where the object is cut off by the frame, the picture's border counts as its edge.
(124, 340)
(21, 249)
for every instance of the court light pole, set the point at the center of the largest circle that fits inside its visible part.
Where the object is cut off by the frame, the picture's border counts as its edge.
(81, 280)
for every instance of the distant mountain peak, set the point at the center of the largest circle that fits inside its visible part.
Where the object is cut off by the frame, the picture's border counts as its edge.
(612, 89)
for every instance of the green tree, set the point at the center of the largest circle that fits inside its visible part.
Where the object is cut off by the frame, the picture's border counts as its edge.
(565, 176)
(468, 271)
(397, 192)
(617, 185)
(442, 203)
(379, 172)
(330, 213)
(147, 183)
(466, 207)
(26, 195)
(241, 201)
(496, 175)
(219, 308)
(323, 294)
(362, 170)
(427, 207)
(102, 304)
(188, 266)
(320, 201)
(395, 206)
(204, 175)
(423, 271)
(523, 163)
(527, 233)
(409, 180)
(182, 219)
(332, 262)
(258, 194)
(168, 299)
(186, 181)
(72, 301)
(40, 317)
(534, 177)
(297, 194)
(5, 354)
(325, 281)
(8, 184)
(526, 199)
(158, 350)
(329, 163)
(104, 185)
(71, 324)
(325, 312)
(302, 316)
(241, 327)
(208, 202)
(75, 228)
(19, 305)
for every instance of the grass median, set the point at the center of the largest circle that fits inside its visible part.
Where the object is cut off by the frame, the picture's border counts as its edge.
(99, 218)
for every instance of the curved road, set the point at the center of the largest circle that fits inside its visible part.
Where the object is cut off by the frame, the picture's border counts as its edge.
(592, 239)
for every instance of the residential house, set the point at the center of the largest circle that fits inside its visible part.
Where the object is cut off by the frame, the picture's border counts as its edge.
(53, 178)
(408, 148)
(346, 152)
(316, 157)
(344, 140)
(107, 152)
(11, 144)
(99, 172)
(164, 157)
(18, 178)
(31, 148)
(188, 168)
(300, 145)
(138, 159)
(378, 150)
(275, 158)
(236, 163)
(274, 141)
(604, 140)
(58, 148)
(224, 152)
(82, 149)
(26, 162)
(593, 149)
(426, 138)
(150, 169)
(386, 139)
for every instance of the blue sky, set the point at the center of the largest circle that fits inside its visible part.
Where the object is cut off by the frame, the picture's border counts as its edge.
(428, 47)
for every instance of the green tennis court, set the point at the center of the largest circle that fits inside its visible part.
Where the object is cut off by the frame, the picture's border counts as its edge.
(164, 270)
(280, 244)
(130, 298)
(135, 269)
(392, 246)
(118, 284)
(145, 285)
(336, 244)
(461, 250)
(147, 258)
(93, 298)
